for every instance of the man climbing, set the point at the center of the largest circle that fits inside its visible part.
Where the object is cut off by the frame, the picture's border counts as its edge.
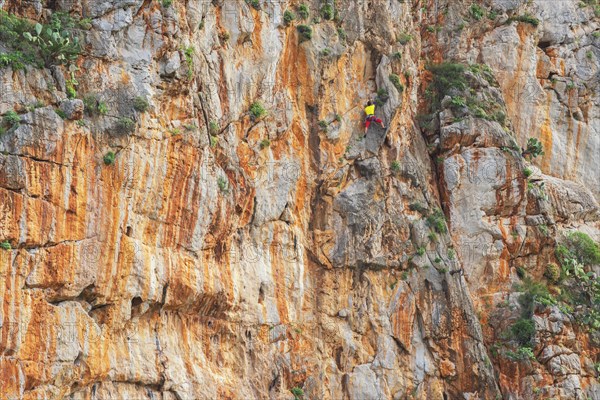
(370, 111)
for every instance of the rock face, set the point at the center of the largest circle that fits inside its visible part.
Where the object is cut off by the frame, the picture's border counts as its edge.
(173, 242)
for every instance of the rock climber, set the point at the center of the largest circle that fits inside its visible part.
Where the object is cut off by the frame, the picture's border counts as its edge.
(370, 111)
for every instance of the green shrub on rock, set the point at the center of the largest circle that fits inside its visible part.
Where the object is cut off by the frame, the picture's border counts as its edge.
(395, 79)
(11, 118)
(584, 248)
(327, 12)
(534, 148)
(125, 125)
(288, 17)
(303, 11)
(523, 331)
(257, 111)
(141, 104)
(552, 272)
(305, 32)
(109, 158)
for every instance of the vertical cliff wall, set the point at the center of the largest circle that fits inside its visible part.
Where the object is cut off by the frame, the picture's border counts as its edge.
(190, 209)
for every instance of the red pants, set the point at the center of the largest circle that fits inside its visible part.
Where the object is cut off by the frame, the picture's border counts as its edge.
(371, 118)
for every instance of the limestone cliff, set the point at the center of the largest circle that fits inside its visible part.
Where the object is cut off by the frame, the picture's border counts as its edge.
(190, 210)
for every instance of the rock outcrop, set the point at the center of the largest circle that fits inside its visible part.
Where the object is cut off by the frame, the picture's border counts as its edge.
(190, 209)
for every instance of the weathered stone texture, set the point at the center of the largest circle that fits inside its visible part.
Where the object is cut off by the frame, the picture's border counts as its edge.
(224, 256)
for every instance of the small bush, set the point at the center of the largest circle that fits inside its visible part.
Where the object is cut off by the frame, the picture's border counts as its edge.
(125, 125)
(404, 38)
(254, 4)
(326, 52)
(397, 56)
(476, 12)
(11, 118)
(257, 111)
(213, 127)
(500, 117)
(451, 254)
(395, 166)
(34, 106)
(532, 292)
(305, 32)
(141, 104)
(337, 117)
(288, 17)
(584, 248)
(418, 207)
(395, 79)
(382, 97)
(522, 353)
(552, 273)
(5, 245)
(327, 12)
(421, 251)
(188, 54)
(94, 106)
(564, 256)
(223, 184)
(534, 148)
(342, 33)
(71, 92)
(524, 18)
(109, 158)
(527, 172)
(22, 52)
(102, 108)
(432, 237)
(213, 141)
(437, 221)
(297, 392)
(303, 11)
(323, 125)
(61, 113)
(85, 24)
(13, 60)
(446, 77)
(458, 102)
(523, 331)
(265, 143)
(166, 3)
(224, 36)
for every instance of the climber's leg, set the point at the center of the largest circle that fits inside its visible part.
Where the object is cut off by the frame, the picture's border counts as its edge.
(367, 123)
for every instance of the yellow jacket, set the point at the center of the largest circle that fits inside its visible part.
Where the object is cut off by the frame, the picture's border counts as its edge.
(370, 110)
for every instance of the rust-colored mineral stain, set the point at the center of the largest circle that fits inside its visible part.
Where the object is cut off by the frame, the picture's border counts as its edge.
(279, 276)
